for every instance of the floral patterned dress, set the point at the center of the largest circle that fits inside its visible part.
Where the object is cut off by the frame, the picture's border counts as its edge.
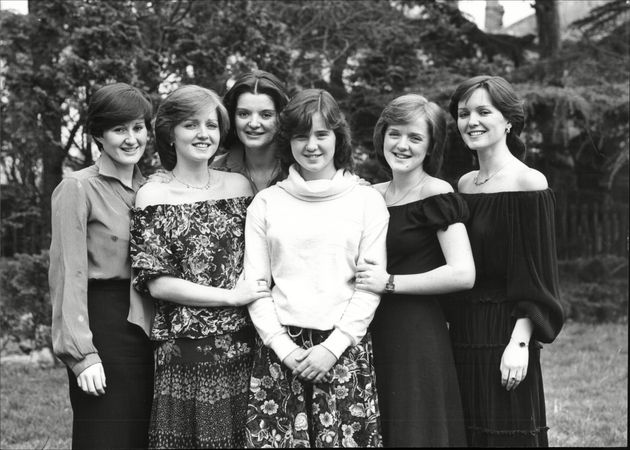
(203, 354)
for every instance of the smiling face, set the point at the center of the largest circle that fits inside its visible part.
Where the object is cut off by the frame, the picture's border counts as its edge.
(197, 138)
(405, 145)
(125, 143)
(315, 151)
(481, 125)
(255, 120)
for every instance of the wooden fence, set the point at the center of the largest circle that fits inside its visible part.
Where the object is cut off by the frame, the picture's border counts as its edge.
(589, 229)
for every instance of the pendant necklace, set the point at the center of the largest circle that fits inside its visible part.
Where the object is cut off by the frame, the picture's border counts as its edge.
(190, 186)
(405, 193)
(479, 183)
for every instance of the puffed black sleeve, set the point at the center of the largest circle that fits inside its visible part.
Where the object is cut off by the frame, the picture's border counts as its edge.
(439, 211)
(532, 272)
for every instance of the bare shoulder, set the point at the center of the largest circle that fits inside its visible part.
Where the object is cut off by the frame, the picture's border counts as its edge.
(235, 183)
(152, 193)
(160, 176)
(465, 182)
(435, 186)
(381, 187)
(529, 179)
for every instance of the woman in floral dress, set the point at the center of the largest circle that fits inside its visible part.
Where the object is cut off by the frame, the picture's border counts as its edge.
(187, 237)
(313, 378)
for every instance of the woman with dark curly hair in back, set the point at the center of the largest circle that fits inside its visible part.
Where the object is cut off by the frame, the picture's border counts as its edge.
(254, 103)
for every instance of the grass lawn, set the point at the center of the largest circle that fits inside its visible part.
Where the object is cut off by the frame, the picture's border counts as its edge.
(35, 408)
(585, 373)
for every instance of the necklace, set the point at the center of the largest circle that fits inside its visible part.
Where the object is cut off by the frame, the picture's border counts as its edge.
(190, 186)
(479, 183)
(405, 193)
(267, 181)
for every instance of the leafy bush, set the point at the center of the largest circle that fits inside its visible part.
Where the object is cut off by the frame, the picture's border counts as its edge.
(595, 290)
(25, 309)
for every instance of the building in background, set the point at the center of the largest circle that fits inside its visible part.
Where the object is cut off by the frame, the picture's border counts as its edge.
(568, 11)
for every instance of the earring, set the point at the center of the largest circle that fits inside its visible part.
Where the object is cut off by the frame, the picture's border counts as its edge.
(508, 128)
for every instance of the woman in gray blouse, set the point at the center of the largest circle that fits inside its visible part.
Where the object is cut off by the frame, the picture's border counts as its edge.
(110, 361)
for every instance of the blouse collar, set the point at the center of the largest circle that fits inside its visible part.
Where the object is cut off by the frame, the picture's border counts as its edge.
(107, 168)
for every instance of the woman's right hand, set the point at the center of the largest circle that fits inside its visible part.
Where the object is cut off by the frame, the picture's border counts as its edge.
(92, 380)
(247, 291)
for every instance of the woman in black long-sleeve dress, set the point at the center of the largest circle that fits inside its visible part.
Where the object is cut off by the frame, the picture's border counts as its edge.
(496, 327)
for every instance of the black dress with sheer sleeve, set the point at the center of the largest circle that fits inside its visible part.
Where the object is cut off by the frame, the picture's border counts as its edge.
(416, 380)
(512, 235)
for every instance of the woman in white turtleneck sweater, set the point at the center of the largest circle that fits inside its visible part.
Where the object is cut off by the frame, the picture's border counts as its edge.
(306, 235)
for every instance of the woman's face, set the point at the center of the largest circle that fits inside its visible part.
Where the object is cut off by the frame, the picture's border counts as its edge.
(315, 151)
(405, 145)
(481, 125)
(256, 120)
(125, 143)
(197, 138)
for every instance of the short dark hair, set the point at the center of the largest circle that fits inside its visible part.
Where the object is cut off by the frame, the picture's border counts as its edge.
(116, 104)
(178, 106)
(297, 118)
(255, 82)
(503, 98)
(405, 109)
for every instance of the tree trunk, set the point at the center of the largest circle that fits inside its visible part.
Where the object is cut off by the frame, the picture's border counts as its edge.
(549, 33)
(43, 51)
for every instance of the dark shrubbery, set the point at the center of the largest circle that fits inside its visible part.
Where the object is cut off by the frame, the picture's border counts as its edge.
(595, 289)
(25, 309)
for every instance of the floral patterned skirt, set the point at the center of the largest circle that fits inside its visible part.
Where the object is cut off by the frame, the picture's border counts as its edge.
(200, 393)
(285, 411)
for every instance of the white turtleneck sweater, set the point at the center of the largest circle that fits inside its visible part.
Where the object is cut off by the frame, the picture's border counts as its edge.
(308, 237)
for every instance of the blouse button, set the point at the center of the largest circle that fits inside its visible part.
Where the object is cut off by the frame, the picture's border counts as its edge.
(80, 318)
(114, 238)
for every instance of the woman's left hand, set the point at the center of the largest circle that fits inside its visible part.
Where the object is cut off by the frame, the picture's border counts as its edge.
(514, 364)
(371, 277)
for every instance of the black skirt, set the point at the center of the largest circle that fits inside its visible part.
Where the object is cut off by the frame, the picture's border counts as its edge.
(120, 417)
(481, 325)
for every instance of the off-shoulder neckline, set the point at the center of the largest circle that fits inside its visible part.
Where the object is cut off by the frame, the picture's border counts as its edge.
(196, 203)
(539, 191)
(422, 199)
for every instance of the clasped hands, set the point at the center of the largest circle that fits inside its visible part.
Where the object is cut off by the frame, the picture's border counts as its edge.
(312, 364)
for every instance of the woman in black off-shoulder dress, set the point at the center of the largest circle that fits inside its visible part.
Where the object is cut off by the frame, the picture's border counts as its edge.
(427, 254)
(496, 328)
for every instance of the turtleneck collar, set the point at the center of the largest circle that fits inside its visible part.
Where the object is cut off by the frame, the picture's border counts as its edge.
(318, 190)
